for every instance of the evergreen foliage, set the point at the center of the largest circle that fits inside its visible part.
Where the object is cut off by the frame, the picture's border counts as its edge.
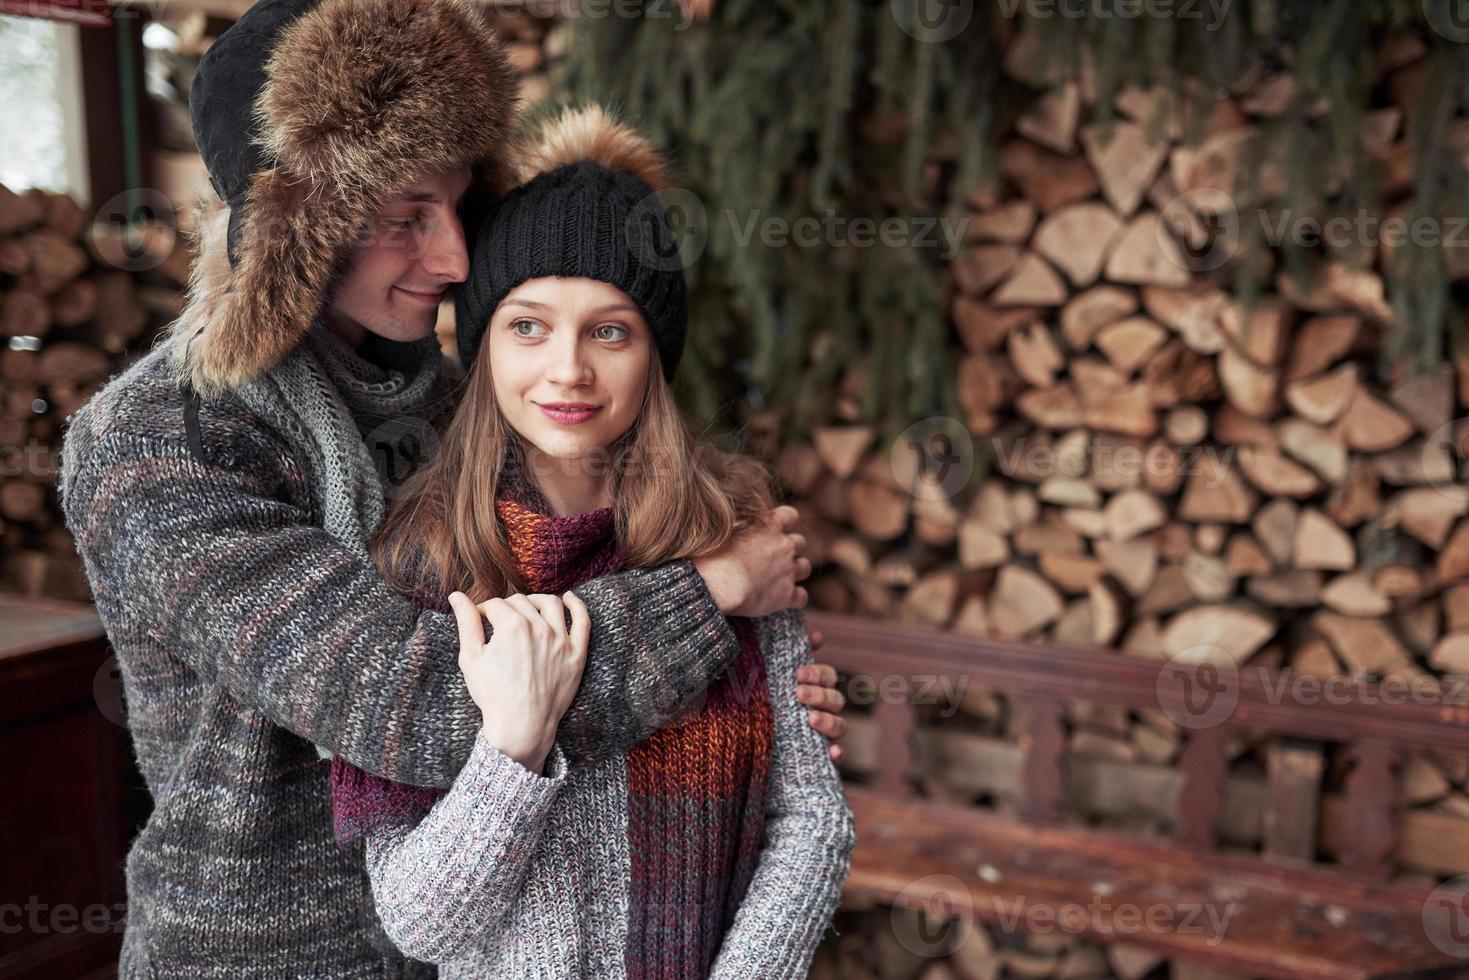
(777, 110)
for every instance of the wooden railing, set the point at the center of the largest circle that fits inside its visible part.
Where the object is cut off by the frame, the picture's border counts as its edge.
(1379, 928)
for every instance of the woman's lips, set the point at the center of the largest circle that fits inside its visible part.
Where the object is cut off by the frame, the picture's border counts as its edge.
(568, 417)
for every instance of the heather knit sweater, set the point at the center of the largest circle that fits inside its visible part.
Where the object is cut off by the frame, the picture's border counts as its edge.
(250, 629)
(719, 844)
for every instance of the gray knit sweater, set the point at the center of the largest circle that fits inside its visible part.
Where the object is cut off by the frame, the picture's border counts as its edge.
(518, 874)
(247, 635)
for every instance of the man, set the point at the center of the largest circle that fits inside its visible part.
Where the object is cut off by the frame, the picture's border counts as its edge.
(223, 490)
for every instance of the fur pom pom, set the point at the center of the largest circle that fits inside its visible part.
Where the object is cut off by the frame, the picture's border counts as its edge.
(590, 133)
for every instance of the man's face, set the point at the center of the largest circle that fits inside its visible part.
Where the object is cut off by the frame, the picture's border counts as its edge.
(407, 259)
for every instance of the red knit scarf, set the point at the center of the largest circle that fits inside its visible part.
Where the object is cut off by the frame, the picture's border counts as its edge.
(696, 791)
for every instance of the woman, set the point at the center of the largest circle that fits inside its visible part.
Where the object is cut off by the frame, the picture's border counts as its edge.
(716, 847)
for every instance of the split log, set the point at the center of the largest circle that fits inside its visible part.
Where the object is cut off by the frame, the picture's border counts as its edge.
(1319, 543)
(841, 447)
(1370, 425)
(1209, 633)
(1320, 342)
(1022, 602)
(1275, 475)
(1031, 282)
(1215, 494)
(1145, 255)
(1010, 223)
(1364, 645)
(1077, 239)
(1088, 312)
(1323, 398)
(1129, 343)
(1249, 387)
(1126, 160)
(1035, 355)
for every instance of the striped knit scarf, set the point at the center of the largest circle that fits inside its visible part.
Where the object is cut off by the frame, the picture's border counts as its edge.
(697, 791)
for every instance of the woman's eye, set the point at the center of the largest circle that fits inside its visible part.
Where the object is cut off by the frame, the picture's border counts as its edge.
(517, 324)
(611, 326)
(404, 223)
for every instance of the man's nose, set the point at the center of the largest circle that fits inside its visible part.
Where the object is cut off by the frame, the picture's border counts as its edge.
(445, 255)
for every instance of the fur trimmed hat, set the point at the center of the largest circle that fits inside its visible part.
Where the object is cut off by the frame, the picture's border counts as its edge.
(588, 207)
(308, 113)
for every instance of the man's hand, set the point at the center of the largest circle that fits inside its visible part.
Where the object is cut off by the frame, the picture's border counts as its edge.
(817, 689)
(755, 574)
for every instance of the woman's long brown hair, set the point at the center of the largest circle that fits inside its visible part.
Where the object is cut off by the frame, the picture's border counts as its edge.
(675, 495)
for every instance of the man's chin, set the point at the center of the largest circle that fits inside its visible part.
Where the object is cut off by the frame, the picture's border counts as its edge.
(405, 330)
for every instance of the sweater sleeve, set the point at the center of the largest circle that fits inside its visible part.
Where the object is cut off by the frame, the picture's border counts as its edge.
(809, 833)
(214, 562)
(445, 885)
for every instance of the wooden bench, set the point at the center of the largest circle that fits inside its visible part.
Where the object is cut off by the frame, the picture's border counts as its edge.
(1287, 914)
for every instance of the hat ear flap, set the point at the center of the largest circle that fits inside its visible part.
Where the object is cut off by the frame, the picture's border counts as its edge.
(290, 245)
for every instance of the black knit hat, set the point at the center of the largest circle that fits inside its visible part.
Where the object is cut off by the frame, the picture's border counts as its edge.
(591, 211)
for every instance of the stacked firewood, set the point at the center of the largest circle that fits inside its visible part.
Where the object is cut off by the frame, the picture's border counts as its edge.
(1170, 471)
(77, 299)
(1168, 467)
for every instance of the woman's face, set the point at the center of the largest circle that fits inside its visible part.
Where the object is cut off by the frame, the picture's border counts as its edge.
(569, 342)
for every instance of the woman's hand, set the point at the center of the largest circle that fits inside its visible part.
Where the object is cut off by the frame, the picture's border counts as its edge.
(755, 574)
(524, 678)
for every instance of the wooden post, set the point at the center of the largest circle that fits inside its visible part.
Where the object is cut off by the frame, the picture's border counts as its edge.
(1045, 745)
